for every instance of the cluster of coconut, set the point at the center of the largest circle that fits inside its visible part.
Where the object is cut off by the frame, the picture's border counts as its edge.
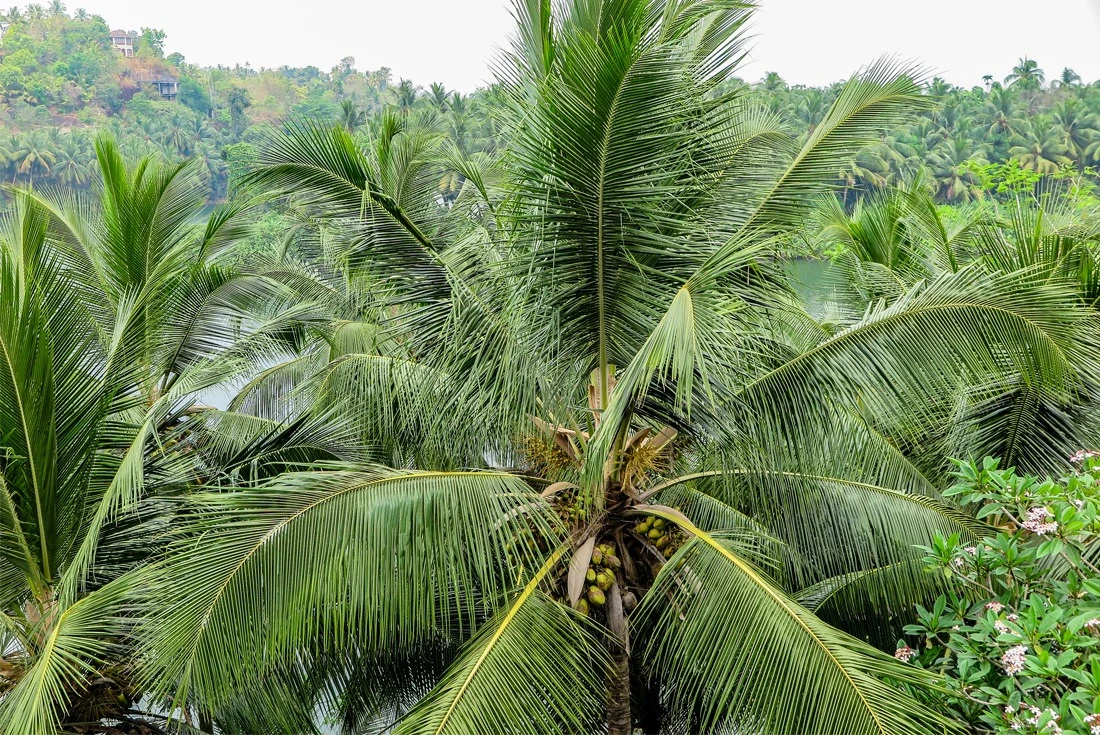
(529, 542)
(570, 507)
(665, 536)
(599, 577)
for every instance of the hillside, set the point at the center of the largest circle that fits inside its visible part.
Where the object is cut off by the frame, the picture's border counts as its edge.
(62, 79)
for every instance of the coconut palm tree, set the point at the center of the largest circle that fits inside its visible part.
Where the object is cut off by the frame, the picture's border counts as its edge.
(1026, 75)
(438, 95)
(1041, 153)
(407, 93)
(1000, 112)
(1077, 128)
(352, 116)
(948, 163)
(74, 158)
(899, 237)
(114, 317)
(33, 154)
(1068, 78)
(622, 468)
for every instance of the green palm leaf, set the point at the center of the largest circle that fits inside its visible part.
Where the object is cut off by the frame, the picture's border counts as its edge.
(533, 668)
(427, 563)
(737, 652)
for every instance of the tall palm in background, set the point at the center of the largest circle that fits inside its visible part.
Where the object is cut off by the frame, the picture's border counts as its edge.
(1026, 75)
(621, 478)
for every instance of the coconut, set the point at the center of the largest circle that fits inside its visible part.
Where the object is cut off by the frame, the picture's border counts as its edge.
(590, 575)
(655, 533)
(597, 557)
(603, 581)
(596, 596)
(581, 606)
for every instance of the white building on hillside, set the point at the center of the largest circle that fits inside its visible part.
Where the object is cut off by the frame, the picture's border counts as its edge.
(124, 42)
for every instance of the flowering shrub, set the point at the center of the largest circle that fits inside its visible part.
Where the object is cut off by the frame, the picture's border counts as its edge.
(1018, 640)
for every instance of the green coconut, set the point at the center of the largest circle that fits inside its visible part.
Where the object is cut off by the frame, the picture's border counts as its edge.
(596, 596)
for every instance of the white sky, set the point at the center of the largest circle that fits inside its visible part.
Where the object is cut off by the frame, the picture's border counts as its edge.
(809, 42)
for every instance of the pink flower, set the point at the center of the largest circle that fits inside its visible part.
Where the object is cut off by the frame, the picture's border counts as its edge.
(1081, 455)
(903, 654)
(1037, 522)
(995, 605)
(1012, 617)
(1093, 721)
(1001, 627)
(1093, 624)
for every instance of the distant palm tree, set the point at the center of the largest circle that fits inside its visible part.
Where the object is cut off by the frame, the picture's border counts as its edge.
(56, 8)
(1068, 78)
(407, 93)
(948, 163)
(438, 95)
(1077, 127)
(74, 161)
(352, 116)
(1026, 75)
(773, 83)
(1000, 111)
(33, 154)
(1043, 153)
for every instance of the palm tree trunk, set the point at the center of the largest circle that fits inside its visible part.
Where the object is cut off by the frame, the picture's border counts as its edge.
(619, 721)
(618, 704)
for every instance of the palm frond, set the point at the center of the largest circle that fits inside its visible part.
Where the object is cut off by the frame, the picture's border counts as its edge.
(737, 652)
(428, 564)
(534, 668)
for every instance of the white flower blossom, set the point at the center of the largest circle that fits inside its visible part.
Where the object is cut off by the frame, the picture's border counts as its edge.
(1013, 660)
(1081, 455)
(903, 654)
(1037, 521)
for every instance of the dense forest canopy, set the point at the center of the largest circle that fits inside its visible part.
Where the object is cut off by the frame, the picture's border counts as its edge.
(62, 80)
